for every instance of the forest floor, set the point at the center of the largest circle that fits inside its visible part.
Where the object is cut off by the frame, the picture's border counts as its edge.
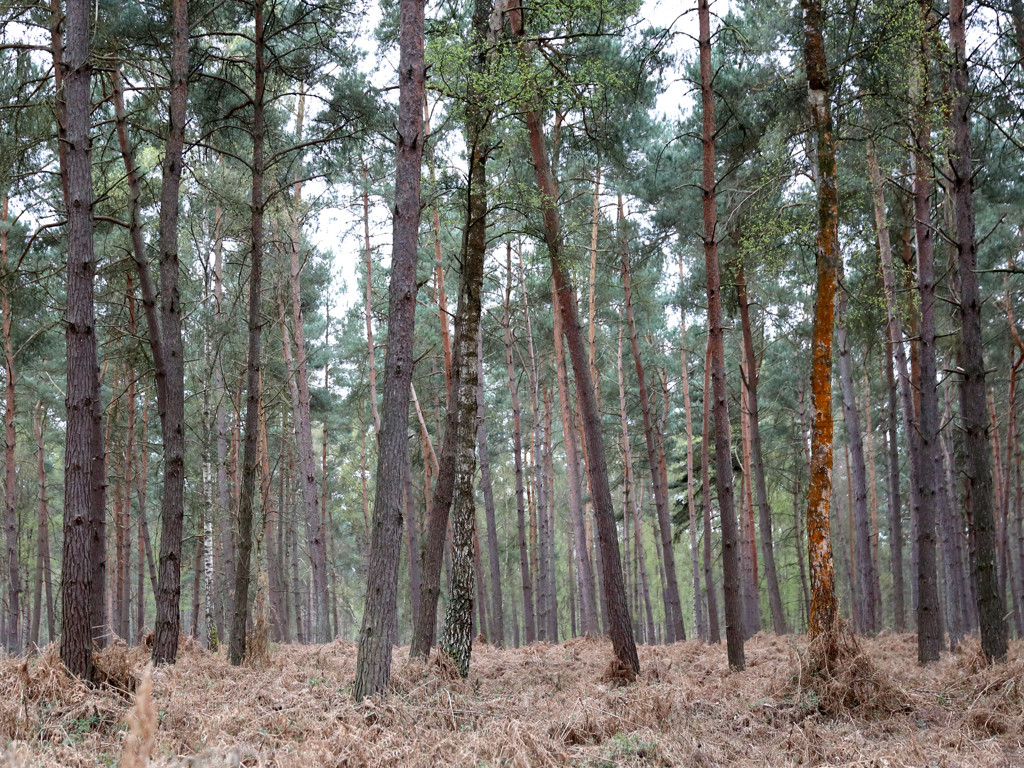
(543, 705)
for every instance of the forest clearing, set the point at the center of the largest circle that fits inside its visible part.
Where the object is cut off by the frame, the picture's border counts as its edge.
(541, 705)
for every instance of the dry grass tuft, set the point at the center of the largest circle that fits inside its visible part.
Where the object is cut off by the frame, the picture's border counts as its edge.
(542, 705)
(837, 677)
(138, 747)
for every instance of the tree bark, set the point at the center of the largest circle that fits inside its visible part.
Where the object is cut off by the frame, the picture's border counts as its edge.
(172, 410)
(716, 349)
(83, 441)
(497, 627)
(250, 450)
(13, 639)
(368, 302)
(373, 663)
(824, 606)
(43, 540)
(971, 355)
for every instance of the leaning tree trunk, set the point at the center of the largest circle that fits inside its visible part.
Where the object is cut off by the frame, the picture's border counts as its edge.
(584, 570)
(716, 348)
(619, 626)
(972, 363)
(82, 449)
(763, 508)
(673, 605)
(376, 636)
(824, 607)
(172, 412)
(250, 450)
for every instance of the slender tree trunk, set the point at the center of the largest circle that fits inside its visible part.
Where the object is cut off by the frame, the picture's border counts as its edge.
(632, 503)
(823, 595)
(863, 564)
(43, 541)
(497, 627)
(457, 640)
(368, 303)
(757, 462)
(172, 412)
(621, 631)
(673, 605)
(583, 568)
(876, 588)
(705, 482)
(82, 448)
(13, 639)
(250, 450)
(748, 545)
(895, 504)
(716, 348)
(698, 601)
(529, 629)
(551, 547)
(972, 391)
(373, 664)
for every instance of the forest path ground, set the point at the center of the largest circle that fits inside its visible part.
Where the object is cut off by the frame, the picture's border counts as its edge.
(543, 705)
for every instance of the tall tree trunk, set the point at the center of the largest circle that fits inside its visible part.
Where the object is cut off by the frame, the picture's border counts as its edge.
(757, 462)
(82, 449)
(13, 639)
(457, 641)
(929, 622)
(673, 605)
(705, 481)
(43, 540)
(497, 627)
(552, 549)
(583, 568)
(632, 503)
(373, 664)
(529, 629)
(316, 541)
(895, 504)
(716, 354)
(972, 390)
(250, 450)
(691, 507)
(621, 631)
(172, 411)
(823, 595)
(368, 302)
(863, 564)
(270, 513)
(748, 544)
(876, 588)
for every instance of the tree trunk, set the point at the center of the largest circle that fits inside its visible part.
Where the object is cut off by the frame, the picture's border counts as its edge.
(748, 545)
(929, 623)
(895, 504)
(552, 549)
(716, 349)
(673, 605)
(757, 463)
(632, 504)
(250, 451)
(824, 607)
(529, 629)
(583, 567)
(172, 411)
(876, 588)
(619, 626)
(698, 602)
(705, 481)
(373, 664)
(368, 303)
(972, 390)
(457, 641)
(13, 639)
(82, 448)
(43, 541)
(863, 564)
